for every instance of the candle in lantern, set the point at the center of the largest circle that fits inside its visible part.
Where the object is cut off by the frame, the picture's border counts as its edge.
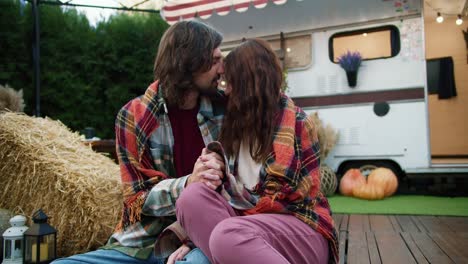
(17, 253)
(43, 254)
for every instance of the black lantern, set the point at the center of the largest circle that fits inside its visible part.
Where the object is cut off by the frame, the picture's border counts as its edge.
(40, 241)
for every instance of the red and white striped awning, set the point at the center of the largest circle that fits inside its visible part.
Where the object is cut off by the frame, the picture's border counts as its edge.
(177, 10)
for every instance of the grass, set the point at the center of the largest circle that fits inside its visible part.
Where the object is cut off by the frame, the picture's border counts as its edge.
(401, 204)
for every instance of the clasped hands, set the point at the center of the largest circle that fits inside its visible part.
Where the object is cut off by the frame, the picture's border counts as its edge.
(209, 169)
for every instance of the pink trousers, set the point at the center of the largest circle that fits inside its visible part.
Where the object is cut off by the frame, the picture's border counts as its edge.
(225, 237)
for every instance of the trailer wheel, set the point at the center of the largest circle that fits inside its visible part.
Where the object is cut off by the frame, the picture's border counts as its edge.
(389, 164)
(358, 164)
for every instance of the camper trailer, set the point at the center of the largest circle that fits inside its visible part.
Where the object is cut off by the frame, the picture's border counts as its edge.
(407, 110)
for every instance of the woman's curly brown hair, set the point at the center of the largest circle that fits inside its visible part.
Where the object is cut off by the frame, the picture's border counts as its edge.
(253, 72)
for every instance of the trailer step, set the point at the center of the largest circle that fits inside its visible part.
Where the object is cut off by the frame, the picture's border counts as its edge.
(440, 169)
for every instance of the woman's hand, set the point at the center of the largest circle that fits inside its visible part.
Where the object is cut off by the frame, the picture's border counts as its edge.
(208, 169)
(179, 254)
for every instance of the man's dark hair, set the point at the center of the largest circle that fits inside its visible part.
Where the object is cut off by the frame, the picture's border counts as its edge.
(185, 48)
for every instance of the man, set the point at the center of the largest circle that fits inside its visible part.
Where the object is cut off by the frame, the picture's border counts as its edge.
(159, 138)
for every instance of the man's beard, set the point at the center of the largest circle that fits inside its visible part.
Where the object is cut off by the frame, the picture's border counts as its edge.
(212, 90)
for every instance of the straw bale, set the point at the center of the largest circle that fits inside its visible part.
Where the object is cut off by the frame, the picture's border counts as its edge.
(10, 99)
(44, 165)
(327, 135)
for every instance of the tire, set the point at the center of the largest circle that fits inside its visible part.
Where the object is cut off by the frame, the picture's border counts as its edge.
(357, 164)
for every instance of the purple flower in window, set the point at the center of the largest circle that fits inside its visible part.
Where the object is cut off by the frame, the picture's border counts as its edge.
(350, 61)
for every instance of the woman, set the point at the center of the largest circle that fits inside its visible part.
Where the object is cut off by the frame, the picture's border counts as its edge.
(279, 215)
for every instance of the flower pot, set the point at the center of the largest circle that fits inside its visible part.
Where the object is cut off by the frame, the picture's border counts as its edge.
(352, 78)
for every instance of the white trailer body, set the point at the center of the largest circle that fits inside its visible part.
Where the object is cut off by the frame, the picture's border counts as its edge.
(400, 137)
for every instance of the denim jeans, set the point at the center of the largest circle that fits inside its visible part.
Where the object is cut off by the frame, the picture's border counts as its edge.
(107, 256)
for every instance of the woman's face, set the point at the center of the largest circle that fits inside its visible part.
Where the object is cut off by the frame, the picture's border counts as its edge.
(228, 89)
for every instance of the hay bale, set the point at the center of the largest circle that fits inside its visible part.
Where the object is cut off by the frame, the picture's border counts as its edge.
(44, 165)
(10, 99)
(327, 136)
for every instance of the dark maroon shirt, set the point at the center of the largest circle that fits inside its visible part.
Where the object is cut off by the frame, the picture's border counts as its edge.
(188, 141)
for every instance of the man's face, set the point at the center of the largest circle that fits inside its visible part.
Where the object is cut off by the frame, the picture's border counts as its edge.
(208, 81)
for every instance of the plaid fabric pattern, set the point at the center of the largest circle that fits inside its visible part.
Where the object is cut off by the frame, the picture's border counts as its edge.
(290, 178)
(144, 143)
(289, 181)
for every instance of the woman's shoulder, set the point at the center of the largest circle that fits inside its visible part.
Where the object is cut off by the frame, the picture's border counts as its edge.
(288, 104)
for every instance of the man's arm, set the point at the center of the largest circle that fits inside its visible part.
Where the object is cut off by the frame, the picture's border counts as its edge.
(163, 196)
(137, 173)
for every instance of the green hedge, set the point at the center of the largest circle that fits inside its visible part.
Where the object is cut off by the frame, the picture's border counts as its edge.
(87, 73)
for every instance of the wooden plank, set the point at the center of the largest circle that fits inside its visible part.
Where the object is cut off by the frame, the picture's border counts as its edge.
(337, 221)
(358, 252)
(343, 237)
(344, 223)
(365, 223)
(395, 224)
(392, 248)
(417, 254)
(418, 223)
(453, 245)
(430, 249)
(337, 218)
(374, 255)
(433, 224)
(407, 224)
(369, 239)
(455, 223)
(380, 223)
(358, 223)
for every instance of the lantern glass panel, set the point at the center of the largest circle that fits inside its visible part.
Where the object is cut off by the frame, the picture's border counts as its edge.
(17, 252)
(44, 245)
(49, 240)
(28, 242)
(7, 247)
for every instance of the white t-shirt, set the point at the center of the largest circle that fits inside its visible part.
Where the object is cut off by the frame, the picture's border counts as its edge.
(248, 169)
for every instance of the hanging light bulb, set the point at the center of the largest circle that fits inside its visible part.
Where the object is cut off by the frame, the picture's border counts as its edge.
(439, 18)
(459, 20)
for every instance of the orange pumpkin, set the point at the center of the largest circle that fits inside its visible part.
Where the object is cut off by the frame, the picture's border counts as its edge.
(369, 192)
(385, 179)
(352, 179)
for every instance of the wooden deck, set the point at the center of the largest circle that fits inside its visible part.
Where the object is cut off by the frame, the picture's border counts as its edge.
(402, 239)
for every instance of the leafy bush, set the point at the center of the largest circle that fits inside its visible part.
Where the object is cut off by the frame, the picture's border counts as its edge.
(87, 73)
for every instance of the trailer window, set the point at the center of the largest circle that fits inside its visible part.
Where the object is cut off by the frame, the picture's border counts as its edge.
(372, 43)
(297, 51)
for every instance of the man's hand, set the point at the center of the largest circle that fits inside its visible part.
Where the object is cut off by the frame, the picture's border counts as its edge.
(179, 254)
(208, 169)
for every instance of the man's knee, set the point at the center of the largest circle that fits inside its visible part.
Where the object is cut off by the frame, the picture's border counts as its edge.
(66, 261)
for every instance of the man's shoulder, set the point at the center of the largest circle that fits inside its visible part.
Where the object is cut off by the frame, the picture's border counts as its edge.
(130, 106)
(150, 97)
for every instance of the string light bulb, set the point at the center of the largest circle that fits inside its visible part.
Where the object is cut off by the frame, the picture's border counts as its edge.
(439, 18)
(459, 20)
